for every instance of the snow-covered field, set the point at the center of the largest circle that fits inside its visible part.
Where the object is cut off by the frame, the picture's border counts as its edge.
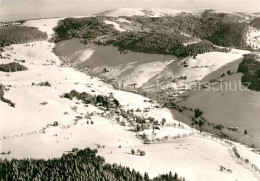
(253, 38)
(123, 20)
(116, 25)
(44, 25)
(195, 158)
(206, 63)
(28, 131)
(144, 72)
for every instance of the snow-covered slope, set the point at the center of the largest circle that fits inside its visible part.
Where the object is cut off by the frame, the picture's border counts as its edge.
(116, 25)
(189, 71)
(253, 38)
(141, 12)
(122, 12)
(243, 16)
(28, 131)
(44, 25)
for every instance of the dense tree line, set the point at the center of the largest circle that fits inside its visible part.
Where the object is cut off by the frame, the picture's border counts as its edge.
(228, 34)
(20, 34)
(250, 66)
(151, 43)
(221, 29)
(12, 67)
(163, 44)
(168, 177)
(47, 84)
(76, 165)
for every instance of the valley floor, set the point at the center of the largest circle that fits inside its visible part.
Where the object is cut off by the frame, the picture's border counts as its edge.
(235, 108)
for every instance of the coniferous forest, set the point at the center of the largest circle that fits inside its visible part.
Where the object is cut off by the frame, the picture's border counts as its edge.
(250, 66)
(75, 165)
(20, 34)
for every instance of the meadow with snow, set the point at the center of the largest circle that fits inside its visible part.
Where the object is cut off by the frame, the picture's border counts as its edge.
(28, 130)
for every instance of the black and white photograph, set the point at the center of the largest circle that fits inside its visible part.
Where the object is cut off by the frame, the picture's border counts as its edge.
(129, 90)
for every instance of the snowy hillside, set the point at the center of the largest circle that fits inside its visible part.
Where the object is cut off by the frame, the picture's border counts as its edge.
(169, 12)
(253, 38)
(116, 25)
(122, 12)
(44, 124)
(142, 12)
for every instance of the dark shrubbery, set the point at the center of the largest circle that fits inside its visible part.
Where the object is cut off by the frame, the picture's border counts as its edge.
(2, 90)
(142, 153)
(81, 96)
(91, 99)
(250, 66)
(2, 98)
(116, 102)
(12, 67)
(236, 152)
(197, 113)
(168, 177)
(47, 84)
(76, 165)
(20, 34)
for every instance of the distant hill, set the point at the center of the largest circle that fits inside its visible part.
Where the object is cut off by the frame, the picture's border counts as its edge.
(156, 32)
(141, 12)
(122, 12)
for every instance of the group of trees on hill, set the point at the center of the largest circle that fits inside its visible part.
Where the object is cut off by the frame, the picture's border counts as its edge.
(86, 29)
(163, 44)
(12, 67)
(91, 99)
(228, 34)
(255, 23)
(20, 34)
(250, 66)
(2, 98)
(151, 43)
(197, 113)
(75, 165)
(221, 29)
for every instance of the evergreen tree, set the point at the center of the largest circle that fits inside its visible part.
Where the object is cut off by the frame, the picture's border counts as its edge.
(146, 176)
